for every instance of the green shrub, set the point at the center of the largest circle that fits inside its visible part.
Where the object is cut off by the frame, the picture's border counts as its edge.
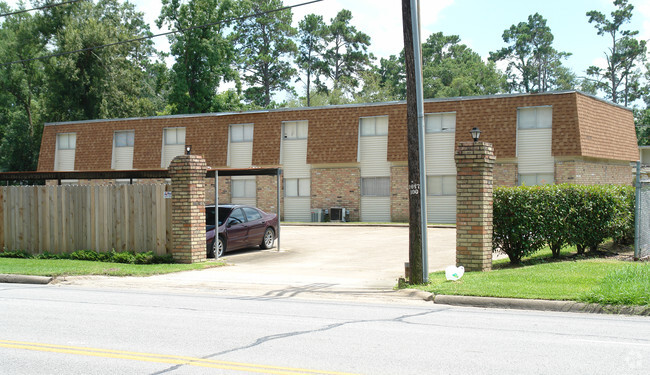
(527, 218)
(14, 254)
(112, 256)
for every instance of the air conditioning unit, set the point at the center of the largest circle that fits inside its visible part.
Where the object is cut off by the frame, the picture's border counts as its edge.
(316, 215)
(337, 214)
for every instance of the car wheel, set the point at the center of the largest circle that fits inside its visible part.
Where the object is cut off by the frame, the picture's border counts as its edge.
(269, 238)
(219, 247)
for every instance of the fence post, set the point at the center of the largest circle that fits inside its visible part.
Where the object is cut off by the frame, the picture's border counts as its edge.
(188, 208)
(474, 164)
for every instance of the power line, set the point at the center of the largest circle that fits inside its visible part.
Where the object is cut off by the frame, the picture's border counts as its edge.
(161, 34)
(40, 8)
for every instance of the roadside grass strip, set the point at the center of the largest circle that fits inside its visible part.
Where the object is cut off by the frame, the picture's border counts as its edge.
(162, 358)
(601, 281)
(66, 267)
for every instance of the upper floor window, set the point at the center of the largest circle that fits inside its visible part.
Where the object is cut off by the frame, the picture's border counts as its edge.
(125, 138)
(372, 126)
(174, 136)
(535, 117)
(440, 122)
(66, 141)
(294, 130)
(241, 133)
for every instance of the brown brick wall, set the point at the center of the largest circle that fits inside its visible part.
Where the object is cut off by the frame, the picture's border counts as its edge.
(593, 172)
(336, 187)
(333, 131)
(399, 194)
(605, 131)
(505, 174)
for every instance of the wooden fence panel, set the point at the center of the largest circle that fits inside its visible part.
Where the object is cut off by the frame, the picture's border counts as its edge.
(66, 218)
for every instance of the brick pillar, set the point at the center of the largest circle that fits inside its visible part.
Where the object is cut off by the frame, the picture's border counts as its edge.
(474, 164)
(188, 208)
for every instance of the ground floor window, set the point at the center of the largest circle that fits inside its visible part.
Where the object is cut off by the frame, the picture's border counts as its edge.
(533, 179)
(243, 188)
(441, 185)
(297, 187)
(375, 186)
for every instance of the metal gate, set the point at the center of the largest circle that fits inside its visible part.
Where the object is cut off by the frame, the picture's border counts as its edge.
(642, 222)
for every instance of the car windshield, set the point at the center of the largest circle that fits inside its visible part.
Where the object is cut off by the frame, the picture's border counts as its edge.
(209, 215)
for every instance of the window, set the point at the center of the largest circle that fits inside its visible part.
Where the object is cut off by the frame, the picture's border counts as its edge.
(252, 214)
(440, 122)
(441, 185)
(294, 130)
(243, 188)
(241, 133)
(125, 138)
(375, 186)
(533, 179)
(174, 136)
(236, 217)
(65, 151)
(297, 187)
(372, 126)
(66, 141)
(535, 117)
(173, 145)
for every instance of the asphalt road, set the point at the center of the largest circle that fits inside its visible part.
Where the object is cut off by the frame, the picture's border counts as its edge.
(59, 330)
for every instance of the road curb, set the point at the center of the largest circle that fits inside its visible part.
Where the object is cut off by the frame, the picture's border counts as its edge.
(25, 279)
(537, 304)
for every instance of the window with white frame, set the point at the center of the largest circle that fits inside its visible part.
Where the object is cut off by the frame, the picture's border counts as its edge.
(440, 122)
(241, 133)
(243, 188)
(297, 187)
(66, 144)
(373, 126)
(375, 186)
(441, 185)
(123, 149)
(534, 179)
(173, 145)
(535, 117)
(294, 130)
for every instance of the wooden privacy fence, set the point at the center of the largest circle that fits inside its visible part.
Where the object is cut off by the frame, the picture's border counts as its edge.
(62, 219)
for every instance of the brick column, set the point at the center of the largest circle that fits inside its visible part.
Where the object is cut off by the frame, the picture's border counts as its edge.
(474, 164)
(188, 208)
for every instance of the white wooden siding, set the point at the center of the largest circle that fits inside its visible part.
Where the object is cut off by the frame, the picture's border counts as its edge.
(439, 152)
(375, 209)
(122, 158)
(534, 151)
(373, 155)
(297, 209)
(240, 154)
(294, 159)
(170, 152)
(64, 160)
(441, 209)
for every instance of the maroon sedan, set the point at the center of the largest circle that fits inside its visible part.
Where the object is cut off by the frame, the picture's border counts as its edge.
(239, 227)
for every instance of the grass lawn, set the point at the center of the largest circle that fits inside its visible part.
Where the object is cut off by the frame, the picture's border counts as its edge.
(595, 280)
(64, 267)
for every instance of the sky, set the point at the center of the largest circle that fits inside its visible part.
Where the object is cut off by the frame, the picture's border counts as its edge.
(479, 23)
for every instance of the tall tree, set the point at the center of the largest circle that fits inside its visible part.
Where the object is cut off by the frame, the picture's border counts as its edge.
(265, 46)
(99, 82)
(311, 34)
(533, 64)
(20, 91)
(620, 79)
(347, 53)
(452, 69)
(205, 56)
(393, 75)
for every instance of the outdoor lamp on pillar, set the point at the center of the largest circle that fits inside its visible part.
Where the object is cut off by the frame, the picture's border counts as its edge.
(188, 149)
(476, 133)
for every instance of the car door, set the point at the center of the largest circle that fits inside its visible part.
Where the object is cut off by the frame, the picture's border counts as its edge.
(236, 229)
(256, 226)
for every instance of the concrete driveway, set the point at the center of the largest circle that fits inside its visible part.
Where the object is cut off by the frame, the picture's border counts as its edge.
(310, 258)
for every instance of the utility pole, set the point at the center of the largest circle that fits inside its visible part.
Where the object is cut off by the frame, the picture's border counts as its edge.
(418, 259)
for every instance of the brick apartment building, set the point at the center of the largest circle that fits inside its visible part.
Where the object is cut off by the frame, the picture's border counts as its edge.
(354, 156)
